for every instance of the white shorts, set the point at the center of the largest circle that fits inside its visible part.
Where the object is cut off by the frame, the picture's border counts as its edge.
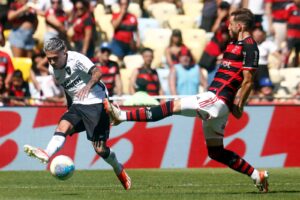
(212, 110)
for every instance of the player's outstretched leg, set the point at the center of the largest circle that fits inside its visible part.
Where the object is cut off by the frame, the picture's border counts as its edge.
(144, 114)
(37, 153)
(54, 145)
(237, 163)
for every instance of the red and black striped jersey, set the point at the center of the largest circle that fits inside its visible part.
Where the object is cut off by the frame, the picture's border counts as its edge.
(151, 76)
(293, 21)
(278, 9)
(238, 56)
(109, 71)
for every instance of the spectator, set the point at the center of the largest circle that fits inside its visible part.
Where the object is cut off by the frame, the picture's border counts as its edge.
(265, 94)
(217, 45)
(110, 71)
(185, 77)
(275, 10)
(145, 72)
(222, 17)
(2, 38)
(43, 86)
(209, 14)
(84, 29)
(19, 90)
(293, 32)
(44, 5)
(6, 68)
(266, 48)
(56, 21)
(234, 4)
(125, 26)
(3, 91)
(141, 97)
(175, 46)
(257, 8)
(23, 19)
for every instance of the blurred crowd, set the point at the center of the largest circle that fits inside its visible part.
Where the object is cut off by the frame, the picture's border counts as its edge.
(145, 48)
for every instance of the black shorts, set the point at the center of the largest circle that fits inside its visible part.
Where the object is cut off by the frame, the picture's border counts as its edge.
(293, 43)
(90, 118)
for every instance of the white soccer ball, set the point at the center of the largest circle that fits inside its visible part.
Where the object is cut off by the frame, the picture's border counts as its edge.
(62, 167)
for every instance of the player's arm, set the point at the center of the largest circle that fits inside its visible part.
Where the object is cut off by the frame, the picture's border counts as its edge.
(96, 76)
(243, 93)
(250, 60)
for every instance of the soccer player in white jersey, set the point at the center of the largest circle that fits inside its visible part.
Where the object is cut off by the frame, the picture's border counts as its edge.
(85, 93)
(227, 93)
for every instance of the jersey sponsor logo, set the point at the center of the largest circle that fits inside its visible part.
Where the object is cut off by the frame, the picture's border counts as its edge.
(226, 64)
(70, 84)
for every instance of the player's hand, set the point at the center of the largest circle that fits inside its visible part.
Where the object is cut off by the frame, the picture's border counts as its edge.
(83, 93)
(237, 111)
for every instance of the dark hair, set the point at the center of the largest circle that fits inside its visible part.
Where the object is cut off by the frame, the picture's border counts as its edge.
(85, 3)
(141, 84)
(17, 74)
(146, 49)
(176, 33)
(245, 16)
(224, 5)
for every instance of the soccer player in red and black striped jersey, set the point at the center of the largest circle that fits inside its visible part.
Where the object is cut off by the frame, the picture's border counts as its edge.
(293, 32)
(233, 79)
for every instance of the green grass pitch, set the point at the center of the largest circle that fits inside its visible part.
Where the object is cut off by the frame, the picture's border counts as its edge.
(155, 184)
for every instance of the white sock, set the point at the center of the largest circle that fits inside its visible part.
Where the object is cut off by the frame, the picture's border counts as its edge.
(255, 174)
(113, 161)
(55, 144)
(123, 116)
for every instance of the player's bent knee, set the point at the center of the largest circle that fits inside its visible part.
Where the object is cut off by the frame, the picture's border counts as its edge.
(215, 153)
(102, 151)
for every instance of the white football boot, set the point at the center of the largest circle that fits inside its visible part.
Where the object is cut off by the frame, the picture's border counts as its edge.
(262, 182)
(113, 111)
(37, 153)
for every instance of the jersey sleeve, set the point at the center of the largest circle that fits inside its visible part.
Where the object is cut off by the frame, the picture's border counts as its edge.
(250, 57)
(83, 63)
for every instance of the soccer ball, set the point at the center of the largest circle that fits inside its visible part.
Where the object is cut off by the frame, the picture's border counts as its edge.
(62, 167)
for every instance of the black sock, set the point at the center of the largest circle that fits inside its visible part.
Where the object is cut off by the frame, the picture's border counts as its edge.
(151, 114)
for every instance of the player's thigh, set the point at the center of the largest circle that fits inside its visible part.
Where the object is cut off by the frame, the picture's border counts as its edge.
(96, 122)
(214, 130)
(69, 120)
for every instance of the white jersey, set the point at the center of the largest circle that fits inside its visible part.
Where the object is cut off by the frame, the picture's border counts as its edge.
(75, 75)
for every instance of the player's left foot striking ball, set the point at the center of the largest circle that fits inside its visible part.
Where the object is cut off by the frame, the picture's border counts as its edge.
(262, 182)
(125, 180)
(37, 153)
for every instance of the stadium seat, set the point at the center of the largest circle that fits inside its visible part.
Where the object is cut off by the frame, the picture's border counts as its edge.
(192, 1)
(157, 38)
(6, 34)
(125, 77)
(195, 39)
(181, 22)
(99, 11)
(162, 12)
(134, 8)
(40, 31)
(133, 61)
(193, 10)
(291, 77)
(144, 24)
(23, 64)
(106, 26)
